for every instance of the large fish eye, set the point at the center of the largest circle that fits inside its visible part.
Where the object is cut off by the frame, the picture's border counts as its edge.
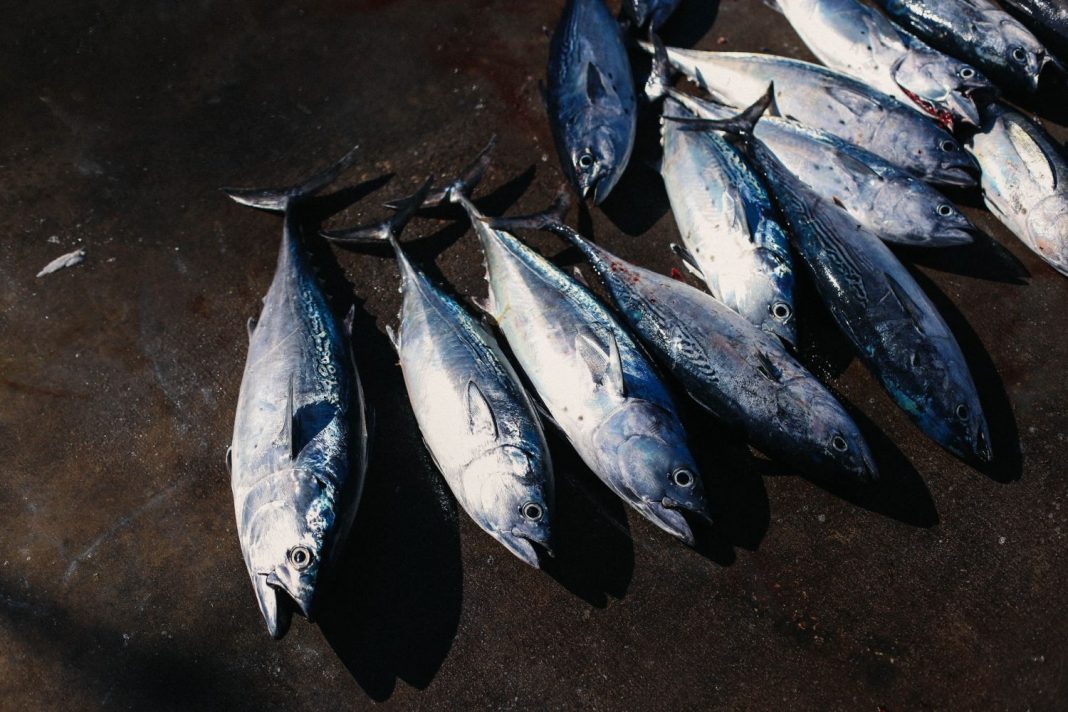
(945, 210)
(948, 146)
(682, 478)
(532, 511)
(961, 411)
(839, 443)
(966, 72)
(781, 310)
(586, 160)
(301, 556)
(1019, 54)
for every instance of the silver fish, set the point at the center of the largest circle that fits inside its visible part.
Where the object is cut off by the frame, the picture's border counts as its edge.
(857, 40)
(1025, 182)
(477, 421)
(728, 225)
(834, 102)
(736, 371)
(891, 203)
(298, 454)
(593, 380)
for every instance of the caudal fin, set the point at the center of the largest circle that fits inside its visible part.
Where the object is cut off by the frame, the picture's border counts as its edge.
(465, 183)
(659, 81)
(741, 125)
(548, 219)
(386, 230)
(277, 199)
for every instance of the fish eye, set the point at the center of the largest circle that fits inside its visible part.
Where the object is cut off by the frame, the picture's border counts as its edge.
(948, 146)
(839, 443)
(682, 478)
(301, 556)
(1019, 54)
(945, 210)
(967, 72)
(961, 411)
(586, 160)
(781, 310)
(532, 511)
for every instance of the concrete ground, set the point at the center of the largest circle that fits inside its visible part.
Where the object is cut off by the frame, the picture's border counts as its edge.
(121, 580)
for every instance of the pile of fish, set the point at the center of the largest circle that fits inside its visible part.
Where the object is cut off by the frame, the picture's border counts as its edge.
(782, 171)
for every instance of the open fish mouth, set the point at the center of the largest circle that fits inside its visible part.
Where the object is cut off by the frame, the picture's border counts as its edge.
(526, 548)
(276, 605)
(669, 516)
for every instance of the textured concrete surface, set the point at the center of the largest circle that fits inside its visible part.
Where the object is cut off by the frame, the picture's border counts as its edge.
(121, 582)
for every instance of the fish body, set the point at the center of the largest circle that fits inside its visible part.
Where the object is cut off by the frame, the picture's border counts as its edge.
(855, 39)
(727, 223)
(888, 201)
(979, 32)
(298, 455)
(1025, 182)
(649, 13)
(836, 103)
(591, 101)
(1048, 19)
(738, 372)
(593, 380)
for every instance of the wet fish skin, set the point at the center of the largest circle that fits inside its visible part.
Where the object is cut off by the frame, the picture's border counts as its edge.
(892, 324)
(593, 380)
(729, 226)
(298, 455)
(979, 32)
(834, 102)
(738, 372)
(651, 13)
(477, 420)
(1024, 182)
(1048, 19)
(857, 40)
(893, 204)
(591, 101)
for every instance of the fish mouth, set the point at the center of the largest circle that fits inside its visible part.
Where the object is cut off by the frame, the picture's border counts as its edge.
(958, 176)
(525, 547)
(981, 447)
(953, 236)
(961, 105)
(302, 605)
(668, 515)
(275, 605)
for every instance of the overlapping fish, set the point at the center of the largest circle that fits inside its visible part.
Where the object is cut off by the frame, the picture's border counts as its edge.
(738, 372)
(1024, 182)
(591, 101)
(858, 40)
(299, 448)
(728, 226)
(476, 419)
(834, 102)
(1048, 19)
(878, 306)
(979, 32)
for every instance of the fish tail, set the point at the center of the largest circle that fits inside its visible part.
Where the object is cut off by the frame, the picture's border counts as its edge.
(659, 82)
(741, 125)
(276, 199)
(389, 229)
(549, 219)
(463, 184)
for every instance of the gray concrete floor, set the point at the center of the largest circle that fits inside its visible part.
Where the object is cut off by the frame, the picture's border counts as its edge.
(121, 581)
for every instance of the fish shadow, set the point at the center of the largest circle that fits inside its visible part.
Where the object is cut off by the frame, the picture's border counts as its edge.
(638, 201)
(594, 552)
(1007, 464)
(821, 348)
(984, 258)
(689, 24)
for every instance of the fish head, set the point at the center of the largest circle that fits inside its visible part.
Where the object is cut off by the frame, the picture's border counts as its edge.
(931, 217)
(1024, 57)
(953, 165)
(832, 440)
(1047, 224)
(595, 162)
(652, 466)
(950, 412)
(779, 317)
(943, 86)
(285, 543)
(513, 499)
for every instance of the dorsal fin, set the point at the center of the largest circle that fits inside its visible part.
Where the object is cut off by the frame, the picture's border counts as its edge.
(480, 418)
(606, 368)
(908, 305)
(250, 325)
(230, 460)
(595, 87)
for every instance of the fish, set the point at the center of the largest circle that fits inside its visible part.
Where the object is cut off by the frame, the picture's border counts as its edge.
(1024, 181)
(888, 201)
(860, 41)
(71, 259)
(978, 32)
(298, 456)
(591, 380)
(477, 420)
(891, 323)
(735, 370)
(590, 98)
(649, 13)
(833, 102)
(1048, 19)
(728, 224)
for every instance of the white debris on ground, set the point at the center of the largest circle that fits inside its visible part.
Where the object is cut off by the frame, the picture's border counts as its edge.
(68, 260)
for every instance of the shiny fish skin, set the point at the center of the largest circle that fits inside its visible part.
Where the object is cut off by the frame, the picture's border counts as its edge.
(978, 32)
(593, 380)
(590, 98)
(653, 13)
(893, 204)
(857, 40)
(298, 454)
(1048, 19)
(835, 103)
(1024, 182)
(736, 371)
(728, 224)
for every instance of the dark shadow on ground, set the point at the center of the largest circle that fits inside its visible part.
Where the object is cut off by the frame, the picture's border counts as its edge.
(690, 23)
(985, 258)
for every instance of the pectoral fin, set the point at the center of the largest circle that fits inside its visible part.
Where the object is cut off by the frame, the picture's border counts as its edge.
(605, 366)
(480, 420)
(908, 305)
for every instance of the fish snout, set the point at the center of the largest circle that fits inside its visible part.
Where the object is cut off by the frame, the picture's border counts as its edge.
(953, 236)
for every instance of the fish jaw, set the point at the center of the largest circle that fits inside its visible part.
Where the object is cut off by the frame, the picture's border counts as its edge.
(525, 546)
(274, 606)
(670, 519)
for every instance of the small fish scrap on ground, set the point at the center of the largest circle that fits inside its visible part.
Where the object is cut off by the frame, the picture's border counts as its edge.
(782, 175)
